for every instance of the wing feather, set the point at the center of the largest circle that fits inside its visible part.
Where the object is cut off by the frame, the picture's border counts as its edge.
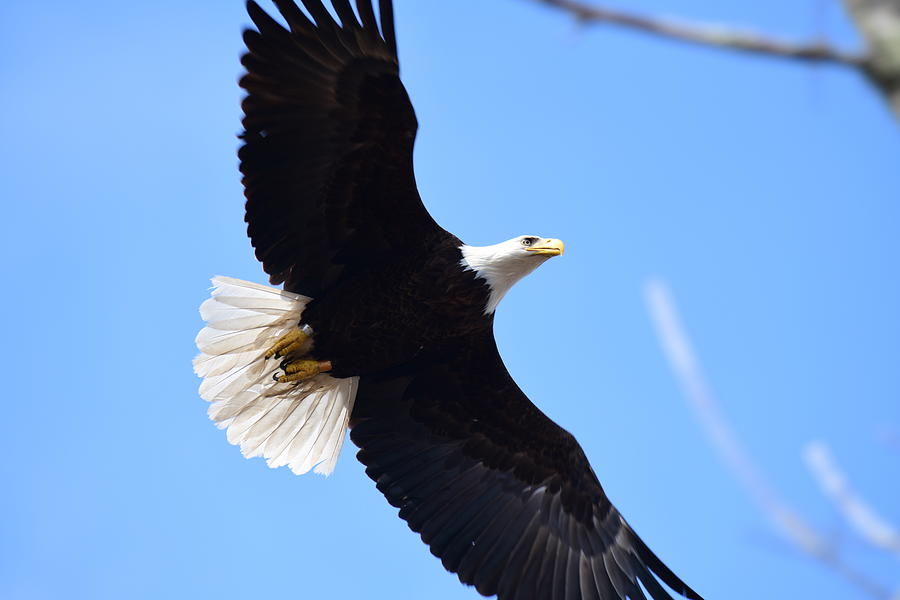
(501, 494)
(328, 140)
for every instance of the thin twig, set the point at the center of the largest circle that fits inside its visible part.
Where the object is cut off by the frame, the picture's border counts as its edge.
(869, 524)
(687, 369)
(711, 35)
(790, 523)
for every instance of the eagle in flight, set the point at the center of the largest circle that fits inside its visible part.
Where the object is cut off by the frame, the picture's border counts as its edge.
(384, 326)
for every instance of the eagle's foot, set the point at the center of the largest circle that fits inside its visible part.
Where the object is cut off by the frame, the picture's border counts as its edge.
(292, 341)
(301, 370)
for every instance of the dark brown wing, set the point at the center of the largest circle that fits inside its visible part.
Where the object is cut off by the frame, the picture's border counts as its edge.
(329, 133)
(504, 496)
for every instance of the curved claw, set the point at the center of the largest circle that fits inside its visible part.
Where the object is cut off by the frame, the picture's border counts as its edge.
(290, 342)
(301, 370)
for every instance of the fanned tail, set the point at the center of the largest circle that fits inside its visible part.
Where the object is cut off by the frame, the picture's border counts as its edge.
(298, 424)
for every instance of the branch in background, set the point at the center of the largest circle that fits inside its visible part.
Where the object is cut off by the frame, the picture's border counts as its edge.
(681, 358)
(683, 361)
(858, 513)
(878, 22)
(710, 35)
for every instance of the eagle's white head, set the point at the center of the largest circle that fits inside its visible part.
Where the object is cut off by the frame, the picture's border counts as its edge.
(503, 264)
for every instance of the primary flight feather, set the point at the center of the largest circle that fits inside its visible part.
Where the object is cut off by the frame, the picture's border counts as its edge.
(385, 325)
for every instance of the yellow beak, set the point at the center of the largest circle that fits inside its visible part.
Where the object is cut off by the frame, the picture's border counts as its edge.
(548, 247)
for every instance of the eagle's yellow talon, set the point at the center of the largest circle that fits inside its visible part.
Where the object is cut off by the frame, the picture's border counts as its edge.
(289, 342)
(301, 370)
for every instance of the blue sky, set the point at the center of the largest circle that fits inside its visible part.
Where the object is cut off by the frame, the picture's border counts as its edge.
(766, 194)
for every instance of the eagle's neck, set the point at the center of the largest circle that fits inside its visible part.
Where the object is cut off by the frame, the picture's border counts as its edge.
(498, 267)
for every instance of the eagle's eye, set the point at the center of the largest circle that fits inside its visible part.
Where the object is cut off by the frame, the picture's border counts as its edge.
(528, 241)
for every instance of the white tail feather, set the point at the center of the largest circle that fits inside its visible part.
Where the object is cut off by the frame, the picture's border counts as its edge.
(298, 424)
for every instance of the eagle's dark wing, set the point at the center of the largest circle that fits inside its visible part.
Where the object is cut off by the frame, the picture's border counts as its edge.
(329, 133)
(504, 496)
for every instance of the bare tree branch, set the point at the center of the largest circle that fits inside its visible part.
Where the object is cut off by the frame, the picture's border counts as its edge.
(711, 35)
(790, 523)
(870, 526)
(879, 23)
(684, 363)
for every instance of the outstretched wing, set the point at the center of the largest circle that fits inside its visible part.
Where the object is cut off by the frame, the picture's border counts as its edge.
(504, 496)
(329, 133)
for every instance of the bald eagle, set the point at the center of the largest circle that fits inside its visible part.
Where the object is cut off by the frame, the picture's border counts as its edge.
(385, 325)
